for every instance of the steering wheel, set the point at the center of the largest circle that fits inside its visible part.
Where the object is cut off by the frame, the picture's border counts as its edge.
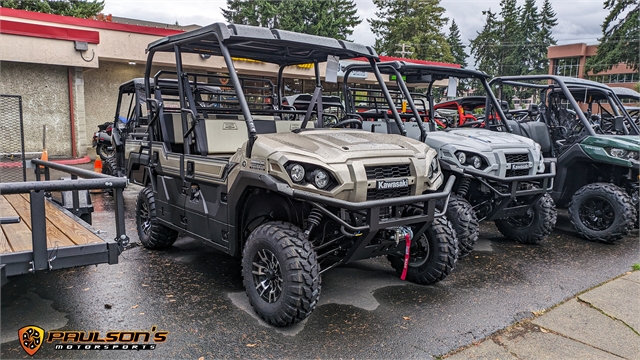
(343, 123)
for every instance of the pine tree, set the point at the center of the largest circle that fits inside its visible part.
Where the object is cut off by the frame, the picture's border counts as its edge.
(544, 38)
(619, 42)
(529, 27)
(252, 12)
(331, 18)
(76, 8)
(510, 60)
(418, 23)
(496, 47)
(485, 47)
(516, 42)
(456, 46)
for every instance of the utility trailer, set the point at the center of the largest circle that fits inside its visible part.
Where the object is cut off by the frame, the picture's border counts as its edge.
(36, 234)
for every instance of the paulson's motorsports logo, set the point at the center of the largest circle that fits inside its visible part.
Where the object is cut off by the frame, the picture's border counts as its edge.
(31, 338)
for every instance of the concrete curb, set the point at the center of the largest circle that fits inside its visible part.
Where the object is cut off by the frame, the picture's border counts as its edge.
(599, 323)
(78, 161)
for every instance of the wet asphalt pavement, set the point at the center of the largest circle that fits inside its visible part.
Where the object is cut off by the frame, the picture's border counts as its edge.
(196, 294)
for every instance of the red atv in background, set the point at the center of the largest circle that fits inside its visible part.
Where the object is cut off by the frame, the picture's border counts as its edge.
(460, 112)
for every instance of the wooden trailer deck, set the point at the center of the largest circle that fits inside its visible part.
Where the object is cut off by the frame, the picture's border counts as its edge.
(47, 237)
(62, 229)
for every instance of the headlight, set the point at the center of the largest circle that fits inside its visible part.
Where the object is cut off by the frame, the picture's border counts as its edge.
(297, 173)
(320, 178)
(624, 154)
(471, 159)
(619, 153)
(308, 174)
(462, 157)
(477, 162)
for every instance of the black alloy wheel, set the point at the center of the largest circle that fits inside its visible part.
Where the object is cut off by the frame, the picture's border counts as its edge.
(597, 213)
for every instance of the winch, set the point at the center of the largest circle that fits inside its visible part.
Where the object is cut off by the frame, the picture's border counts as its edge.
(400, 233)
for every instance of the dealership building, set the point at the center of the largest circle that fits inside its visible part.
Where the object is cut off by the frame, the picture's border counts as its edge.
(570, 60)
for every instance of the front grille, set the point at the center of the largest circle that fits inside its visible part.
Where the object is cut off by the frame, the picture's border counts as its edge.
(517, 158)
(375, 194)
(521, 172)
(387, 171)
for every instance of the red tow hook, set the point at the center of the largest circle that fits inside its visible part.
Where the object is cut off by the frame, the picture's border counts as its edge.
(407, 238)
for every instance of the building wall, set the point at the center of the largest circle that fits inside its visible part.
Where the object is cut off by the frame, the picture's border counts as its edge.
(101, 92)
(45, 101)
(583, 52)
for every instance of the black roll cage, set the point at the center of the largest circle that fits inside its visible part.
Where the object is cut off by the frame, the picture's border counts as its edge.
(433, 73)
(565, 84)
(283, 48)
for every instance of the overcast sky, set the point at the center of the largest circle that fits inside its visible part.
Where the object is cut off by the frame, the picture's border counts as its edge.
(578, 20)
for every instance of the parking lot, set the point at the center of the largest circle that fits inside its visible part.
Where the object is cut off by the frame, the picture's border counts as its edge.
(195, 293)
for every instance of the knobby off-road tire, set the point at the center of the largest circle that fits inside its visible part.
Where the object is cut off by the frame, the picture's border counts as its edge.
(534, 225)
(109, 167)
(104, 153)
(280, 273)
(602, 212)
(635, 201)
(464, 221)
(432, 257)
(152, 234)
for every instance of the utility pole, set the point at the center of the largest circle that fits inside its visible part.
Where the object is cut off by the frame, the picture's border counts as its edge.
(404, 52)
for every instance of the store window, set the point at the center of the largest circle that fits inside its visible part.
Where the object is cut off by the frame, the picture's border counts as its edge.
(566, 66)
(615, 78)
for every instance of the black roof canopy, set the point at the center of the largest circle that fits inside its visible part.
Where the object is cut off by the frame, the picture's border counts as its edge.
(415, 72)
(258, 43)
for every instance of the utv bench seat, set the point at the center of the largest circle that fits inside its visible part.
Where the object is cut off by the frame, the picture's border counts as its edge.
(534, 130)
(226, 133)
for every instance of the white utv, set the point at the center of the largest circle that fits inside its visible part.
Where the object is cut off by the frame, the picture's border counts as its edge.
(501, 177)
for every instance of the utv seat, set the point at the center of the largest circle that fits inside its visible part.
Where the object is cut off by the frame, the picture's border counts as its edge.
(538, 132)
(514, 127)
(224, 136)
(534, 130)
(173, 126)
(284, 126)
(393, 128)
(413, 130)
(380, 127)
